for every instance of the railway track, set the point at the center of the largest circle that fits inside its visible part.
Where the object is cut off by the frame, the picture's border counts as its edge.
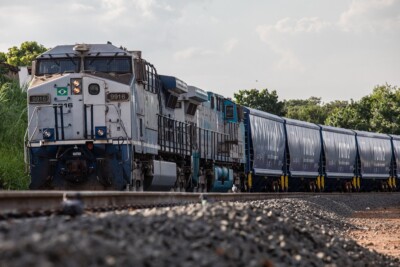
(288, 229)
(25, 203)
(31, 203)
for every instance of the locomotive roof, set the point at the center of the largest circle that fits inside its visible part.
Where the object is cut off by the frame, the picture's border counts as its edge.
(94, 50)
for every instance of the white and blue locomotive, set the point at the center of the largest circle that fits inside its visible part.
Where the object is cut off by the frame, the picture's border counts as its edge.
(101, 117)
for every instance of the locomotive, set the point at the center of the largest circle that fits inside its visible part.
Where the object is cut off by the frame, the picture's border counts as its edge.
(100, 117)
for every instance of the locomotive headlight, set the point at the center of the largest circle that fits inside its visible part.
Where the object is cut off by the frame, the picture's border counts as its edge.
(76, 83)
(76, 91)
(94, 89)
(100, 132)
(76, 86)
(48, 133)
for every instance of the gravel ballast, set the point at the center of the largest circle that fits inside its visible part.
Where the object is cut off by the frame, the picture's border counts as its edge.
(282, 232)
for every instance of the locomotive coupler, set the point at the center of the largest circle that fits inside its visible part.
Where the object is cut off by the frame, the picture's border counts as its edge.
(181, 180)
(137, 183)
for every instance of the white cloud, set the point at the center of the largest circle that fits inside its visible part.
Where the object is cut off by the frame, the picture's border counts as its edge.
(159, 9)
(303, 50)
(185, 54)
(311, 25)
(288, 60)
(303, 25)
(279, 35)
(192, 52)
(230, 45)
(81, 7)
(113, 8)
(371, 15)
(146, 6)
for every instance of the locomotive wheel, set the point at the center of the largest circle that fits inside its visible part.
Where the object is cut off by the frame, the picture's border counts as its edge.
(382, 187)
(138, 187)
(275, 187)
(312, 187)
(348, 187)
(281, 189)
(204, 188)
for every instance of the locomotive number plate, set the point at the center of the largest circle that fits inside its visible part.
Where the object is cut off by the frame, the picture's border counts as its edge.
(118, 97)
(39, 99)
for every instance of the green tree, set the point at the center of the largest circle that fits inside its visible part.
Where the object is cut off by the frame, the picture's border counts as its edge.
(3, 57)
(260, 99)
(349, 117)
(3, 77)
(384, 105)
(25, 54)
(377, 112)
(13, 116)
(311, 110)
(334, 105)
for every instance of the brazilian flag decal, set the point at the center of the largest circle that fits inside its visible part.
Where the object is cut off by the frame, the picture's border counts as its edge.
(62, 91)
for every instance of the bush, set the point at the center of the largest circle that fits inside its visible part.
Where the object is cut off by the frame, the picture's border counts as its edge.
(13, 117)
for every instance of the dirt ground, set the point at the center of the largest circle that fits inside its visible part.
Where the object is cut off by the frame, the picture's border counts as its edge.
(378, 230)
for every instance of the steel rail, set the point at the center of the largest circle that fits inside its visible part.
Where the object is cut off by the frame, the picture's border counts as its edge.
(43, 202)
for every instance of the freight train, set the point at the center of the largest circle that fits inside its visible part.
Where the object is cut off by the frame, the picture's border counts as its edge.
(102, 118)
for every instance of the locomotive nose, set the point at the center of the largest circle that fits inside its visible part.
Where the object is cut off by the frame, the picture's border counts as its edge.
(76, 170)
(76, 167)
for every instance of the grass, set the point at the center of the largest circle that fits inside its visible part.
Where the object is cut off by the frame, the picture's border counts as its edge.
(13, 123)
(12, 169)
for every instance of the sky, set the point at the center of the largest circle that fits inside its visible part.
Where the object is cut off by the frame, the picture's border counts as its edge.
(336, 50)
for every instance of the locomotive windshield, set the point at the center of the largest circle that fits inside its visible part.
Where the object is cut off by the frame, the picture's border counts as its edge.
(57, 65)
(109, 64)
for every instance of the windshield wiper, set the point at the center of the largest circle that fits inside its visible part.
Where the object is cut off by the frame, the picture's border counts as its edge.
(112, 59)
(70, 58)
(55, 60)
(90, 62)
